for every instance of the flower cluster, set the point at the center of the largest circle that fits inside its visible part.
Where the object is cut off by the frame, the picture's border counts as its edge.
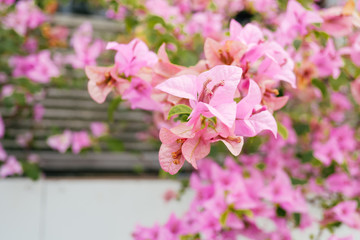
(228, 95)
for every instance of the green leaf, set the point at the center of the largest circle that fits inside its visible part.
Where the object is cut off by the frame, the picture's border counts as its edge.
(301, 128)
(282, 130)
(252, 144)
(337, 83)
(31, 170)
(261, 166)
(114, 144)
(179, 109)
(327, 171)
(280, 212)
(114, 104)
(305, 157)
(223, 217)
(321, 86)
(297, 219)
(297, 43)
(243, 212)
(298, 181)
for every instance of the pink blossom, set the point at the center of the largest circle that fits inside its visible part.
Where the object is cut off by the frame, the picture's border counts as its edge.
(333, 237)
(99, 129)
(355, 90)
(170, 195)
(24, 139)
(7, 90)
(86, 50)
(37, 67)
(39, 112)
(328, 60)
(120, 14)
(102, 80)
(2, 127)
(60, 142)
(173, 151)
(31, 45)
(298, 20)
(26, 16)
(211, 94)
(80, 140)
(10, 167)
(354, 51)
(335, 22)
(341, 183)
(251, 117)
(3, 77)
(207, 24)
(164, 10)
(8, 2)
(139, 95)
(3, 154)
(130, 58)
(33, 158)
(346, 212)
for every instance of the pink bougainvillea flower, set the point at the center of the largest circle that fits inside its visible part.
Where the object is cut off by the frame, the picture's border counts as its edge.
(7, 2)
(192, 143)
(24, 139)
(3, 154)
(80, 140)
(86, 51)
(163, 9)
(211, 94)
(346, 212)
(2, 127)
(355, 90)
(99, 129)
(335, 22)
(227, 53)
(277, 64)
(164, 69)
(102, 80)
(38, 67)
(333, 237)
(119, 14)
(171, 157)
(26, 16)
(251, 117)
(341, 183)
(297, 20)
(60, 142)
(131, 57)
(209, 24)
(10, 167)
(249, 35)
(326, 152)
(328, 61)
(139, 95)
(39, 112)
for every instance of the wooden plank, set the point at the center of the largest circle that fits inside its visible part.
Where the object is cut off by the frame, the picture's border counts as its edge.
(42, 145)
(100, 24)
(45, 133)
(74, 124)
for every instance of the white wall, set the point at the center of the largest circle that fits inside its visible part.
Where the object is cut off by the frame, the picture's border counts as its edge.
(92, 209)
(82, 209)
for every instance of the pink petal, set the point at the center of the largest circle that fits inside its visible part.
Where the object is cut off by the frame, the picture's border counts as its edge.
(246, 105)
(263, 120)
(234, 147)
(195, 149)
(226, 113)
(182, 86)
(166, 160)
